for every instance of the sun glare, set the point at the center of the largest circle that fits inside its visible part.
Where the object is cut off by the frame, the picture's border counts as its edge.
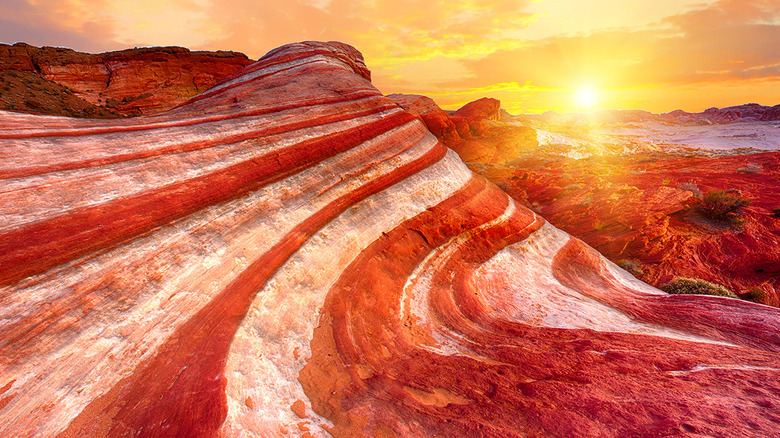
(587, 97)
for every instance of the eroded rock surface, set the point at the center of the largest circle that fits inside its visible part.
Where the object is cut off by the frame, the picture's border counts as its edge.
(127, 82)
(436, 120)
(291, 253)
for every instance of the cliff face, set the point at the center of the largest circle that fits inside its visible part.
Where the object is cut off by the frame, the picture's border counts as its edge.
(127, 82)
(291, 253)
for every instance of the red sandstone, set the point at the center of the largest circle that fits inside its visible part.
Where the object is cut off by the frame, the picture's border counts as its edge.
(292, 253)
(127, 82)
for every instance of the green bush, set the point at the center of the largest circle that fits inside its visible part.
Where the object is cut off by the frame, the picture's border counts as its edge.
(721, 206)
(696, 286)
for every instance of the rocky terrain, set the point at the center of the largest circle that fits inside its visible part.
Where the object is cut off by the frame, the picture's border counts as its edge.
(290, 253)
(131, 82)
(631, 189)
(640, 211)
(468, 122)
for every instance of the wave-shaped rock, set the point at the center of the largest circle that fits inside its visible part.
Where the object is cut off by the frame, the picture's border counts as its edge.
(291, 253)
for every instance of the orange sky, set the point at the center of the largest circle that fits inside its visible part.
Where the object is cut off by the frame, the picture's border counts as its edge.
(533, 55)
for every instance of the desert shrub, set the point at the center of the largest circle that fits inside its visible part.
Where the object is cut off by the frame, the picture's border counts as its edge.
(734, 191)
(634, 267)
(751, 168)
(696, 286)
(691, 187)
(588, 199)
(753, 294)
(721, 206)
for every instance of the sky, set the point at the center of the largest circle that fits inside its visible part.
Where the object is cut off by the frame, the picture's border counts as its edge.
(533, 55)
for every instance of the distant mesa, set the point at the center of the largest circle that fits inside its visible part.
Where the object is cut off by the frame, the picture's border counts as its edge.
(128, 82)
(771, 114)
(750, 112)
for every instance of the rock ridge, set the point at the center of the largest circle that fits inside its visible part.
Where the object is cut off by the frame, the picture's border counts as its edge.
(127, 82)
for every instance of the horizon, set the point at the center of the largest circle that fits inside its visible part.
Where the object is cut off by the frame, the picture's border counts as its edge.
(534, 56)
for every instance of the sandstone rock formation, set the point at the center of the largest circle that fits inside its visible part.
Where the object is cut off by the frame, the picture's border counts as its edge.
(467, 132)
(466, 123)
(474, 114)
(485, 108)
(291, 253)
(127, 82)
(436, 120)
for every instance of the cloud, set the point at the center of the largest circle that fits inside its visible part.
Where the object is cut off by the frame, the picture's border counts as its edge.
(389, 31)
(56, 23)
(722, 43)
(454, 49)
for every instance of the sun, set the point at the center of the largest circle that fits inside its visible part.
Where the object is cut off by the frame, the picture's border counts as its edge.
(587, 97)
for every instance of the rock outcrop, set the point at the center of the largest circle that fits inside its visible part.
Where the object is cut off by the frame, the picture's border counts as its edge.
(470, 118)
(467, 131)
(127, 82)
(291, 253)
(485, 108)
(466, 123)
(771, 114)
(436, 120)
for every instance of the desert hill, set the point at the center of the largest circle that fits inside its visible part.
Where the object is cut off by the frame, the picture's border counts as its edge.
(733, 114)
(59, 81)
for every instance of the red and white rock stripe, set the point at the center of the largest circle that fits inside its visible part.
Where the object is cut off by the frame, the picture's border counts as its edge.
(290, 253)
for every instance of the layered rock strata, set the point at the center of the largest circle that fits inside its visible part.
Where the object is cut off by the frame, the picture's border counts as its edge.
(291, 253)
(127, 82)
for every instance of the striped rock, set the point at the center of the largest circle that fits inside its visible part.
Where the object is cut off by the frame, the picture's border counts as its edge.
(291, 253)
